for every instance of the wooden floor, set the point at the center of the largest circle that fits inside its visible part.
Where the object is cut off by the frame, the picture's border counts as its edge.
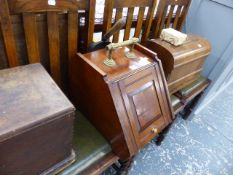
(202, 145)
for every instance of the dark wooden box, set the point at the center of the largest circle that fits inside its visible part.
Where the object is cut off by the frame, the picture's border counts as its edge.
(128, 103)
(36, 123)
(182, 64)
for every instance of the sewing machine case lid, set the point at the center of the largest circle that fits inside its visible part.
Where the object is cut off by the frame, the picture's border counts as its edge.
(125, 66)
(28, 98)
(194, 46)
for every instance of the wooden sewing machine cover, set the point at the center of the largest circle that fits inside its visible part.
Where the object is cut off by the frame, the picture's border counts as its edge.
(182, 64)
(36, 122)
(128, 103)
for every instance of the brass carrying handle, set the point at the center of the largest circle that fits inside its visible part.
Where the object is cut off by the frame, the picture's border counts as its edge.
(113, 46)
(109, 61)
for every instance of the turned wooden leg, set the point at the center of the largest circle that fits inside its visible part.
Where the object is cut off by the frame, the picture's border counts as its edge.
(123, 167)
(162, 135)
(190, 106)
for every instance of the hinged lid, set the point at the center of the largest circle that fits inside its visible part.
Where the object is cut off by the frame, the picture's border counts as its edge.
(28, 97)
(124, 66)
(195, 45)
(172, 56)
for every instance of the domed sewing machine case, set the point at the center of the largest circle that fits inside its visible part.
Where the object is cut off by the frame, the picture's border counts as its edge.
(182, 64)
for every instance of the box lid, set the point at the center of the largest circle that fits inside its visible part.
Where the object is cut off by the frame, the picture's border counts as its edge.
(193, 48)
(124, 66)
(28, 97)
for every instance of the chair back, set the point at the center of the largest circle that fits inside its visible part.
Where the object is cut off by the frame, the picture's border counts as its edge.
(131, 5)
(44, 31)
(170, 13)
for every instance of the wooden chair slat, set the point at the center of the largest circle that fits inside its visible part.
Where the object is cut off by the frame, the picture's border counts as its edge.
(128, 23)
(183, 16)
(157, 23)
(54, 46)
(169, 18)
(161, 23)
(139, 22)
(72, 34)
(148, 24)
(31, 37)
(178, 11)
(46, 33)
(90, 22)
(131, 5)
(107, 16)
(164, 19)
(8, 36)
(118, 16)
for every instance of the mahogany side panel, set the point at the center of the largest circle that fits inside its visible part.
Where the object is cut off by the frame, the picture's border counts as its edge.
(96, 103)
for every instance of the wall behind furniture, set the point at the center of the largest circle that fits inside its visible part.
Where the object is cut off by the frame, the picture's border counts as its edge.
(213, 19)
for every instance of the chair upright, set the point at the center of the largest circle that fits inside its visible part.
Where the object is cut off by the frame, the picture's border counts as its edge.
(130, 5)
(49, 32)
(170, 13)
